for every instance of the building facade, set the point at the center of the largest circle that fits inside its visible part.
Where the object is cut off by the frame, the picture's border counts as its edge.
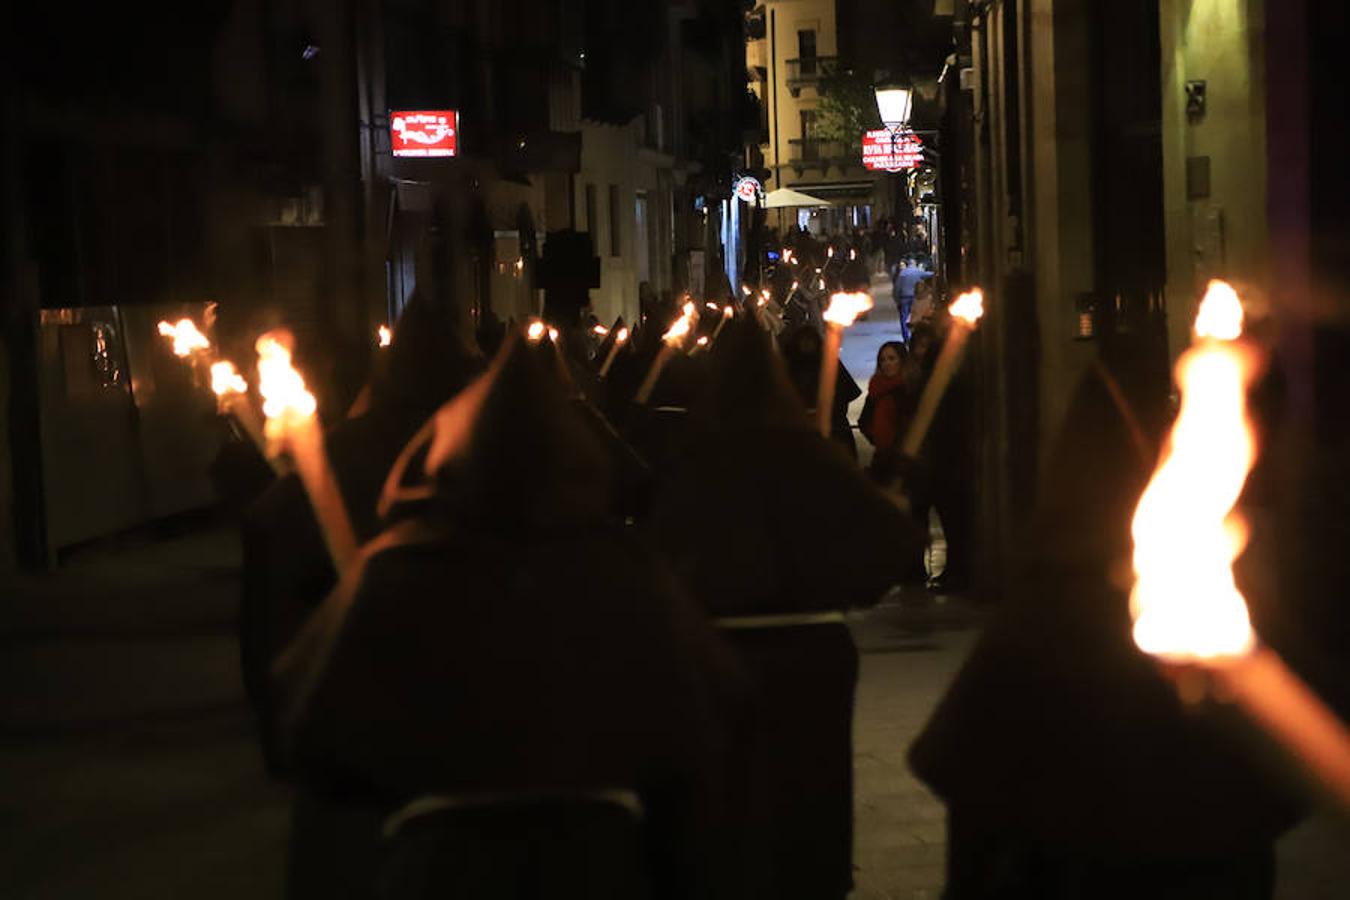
(793, 51)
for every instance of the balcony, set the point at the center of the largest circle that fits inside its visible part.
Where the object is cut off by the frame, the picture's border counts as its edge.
(815, 153)
(809, 70)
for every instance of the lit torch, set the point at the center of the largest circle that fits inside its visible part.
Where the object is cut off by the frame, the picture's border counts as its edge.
(670, 343)
(536, 331)
(1187, 609)
(620, 338)
(843, 310)
(966, 312)
(384, 336)
(232, 400)
(293, 427)
(728, 312)
(186, 339)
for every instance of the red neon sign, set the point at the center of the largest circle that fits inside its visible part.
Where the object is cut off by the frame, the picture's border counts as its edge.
(887, 152)
(424, 132)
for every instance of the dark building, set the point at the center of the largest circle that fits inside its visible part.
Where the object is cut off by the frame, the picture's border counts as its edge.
(240, 154)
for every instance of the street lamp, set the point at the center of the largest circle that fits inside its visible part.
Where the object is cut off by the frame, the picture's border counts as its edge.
(894, 104)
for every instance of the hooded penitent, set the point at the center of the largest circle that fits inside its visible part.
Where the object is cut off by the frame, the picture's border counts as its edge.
(1058, 732)
(762, 515)
(287, 570)
(509, 637)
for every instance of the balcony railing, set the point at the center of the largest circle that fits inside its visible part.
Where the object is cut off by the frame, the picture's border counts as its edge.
(808, 70)
(815, 153)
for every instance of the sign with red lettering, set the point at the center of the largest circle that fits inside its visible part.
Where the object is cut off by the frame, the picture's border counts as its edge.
(887, 151)
(424, 132)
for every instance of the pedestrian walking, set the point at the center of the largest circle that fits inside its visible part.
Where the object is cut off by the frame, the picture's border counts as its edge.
(906, 279)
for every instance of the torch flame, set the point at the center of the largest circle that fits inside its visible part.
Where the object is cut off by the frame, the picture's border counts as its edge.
(553, 335)
(689, 309)
(728, 312)
(968, 307)
(226, 380)
(536, 331)
(599, 330)
(1185, 603)
(710, 305)
(386, 335)
(745, 289)
(622, 335)
(845, 308)
(1220, 313)
(282, 387)
(186, 338)
(703, 341)
(678, 330)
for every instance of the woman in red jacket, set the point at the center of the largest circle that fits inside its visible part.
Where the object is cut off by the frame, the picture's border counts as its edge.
(889, 407)
(891, 400)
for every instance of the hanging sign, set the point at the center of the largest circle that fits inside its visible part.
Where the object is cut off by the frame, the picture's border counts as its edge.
(885, 151)
(424, 132)
(747, 188)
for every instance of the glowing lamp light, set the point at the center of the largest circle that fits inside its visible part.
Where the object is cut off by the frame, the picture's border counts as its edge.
(968, 307)
(385, 335)
(845, 308)
(536, 331)
(1185, 603)
(285, 398)
(225, 380)
(185, 336)
(895, 105)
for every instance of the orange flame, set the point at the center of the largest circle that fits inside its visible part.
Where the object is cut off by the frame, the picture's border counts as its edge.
(553, 335)
(1220, 313)
(599, 330)
(186, 338)
(226, 380)
(711, 305)
(385, 335)
(678, 330)
(536, 331)
(728, 312)
(689, 310)
(703, 341)
(622, 335)
(844, 309)
(285, 398)
(745, 289)
(968, 307)
(1185, 603)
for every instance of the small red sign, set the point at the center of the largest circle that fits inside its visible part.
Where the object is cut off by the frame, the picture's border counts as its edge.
(886, 151)
(424, 132)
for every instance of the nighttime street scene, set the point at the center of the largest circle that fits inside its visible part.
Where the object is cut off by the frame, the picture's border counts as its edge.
(675, 450)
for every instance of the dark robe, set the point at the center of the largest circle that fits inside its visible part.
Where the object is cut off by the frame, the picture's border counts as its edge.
(762, 516)
(1064, 755)
(511, 639)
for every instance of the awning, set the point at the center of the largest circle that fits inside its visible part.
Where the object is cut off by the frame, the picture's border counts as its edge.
(785, 197)
(830, 192)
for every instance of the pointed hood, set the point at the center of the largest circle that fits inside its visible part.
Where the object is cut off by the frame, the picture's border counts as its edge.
(747, 385)
(508, 452)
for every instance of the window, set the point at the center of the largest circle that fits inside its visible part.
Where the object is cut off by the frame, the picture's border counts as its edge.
(806, 51)
(615, 217)
(810, 146)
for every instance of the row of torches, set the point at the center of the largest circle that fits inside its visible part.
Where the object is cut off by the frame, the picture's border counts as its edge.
(1186, 607)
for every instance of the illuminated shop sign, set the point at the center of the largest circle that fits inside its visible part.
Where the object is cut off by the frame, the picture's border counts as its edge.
(424, 132)
(747, 188)
(884, 152)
